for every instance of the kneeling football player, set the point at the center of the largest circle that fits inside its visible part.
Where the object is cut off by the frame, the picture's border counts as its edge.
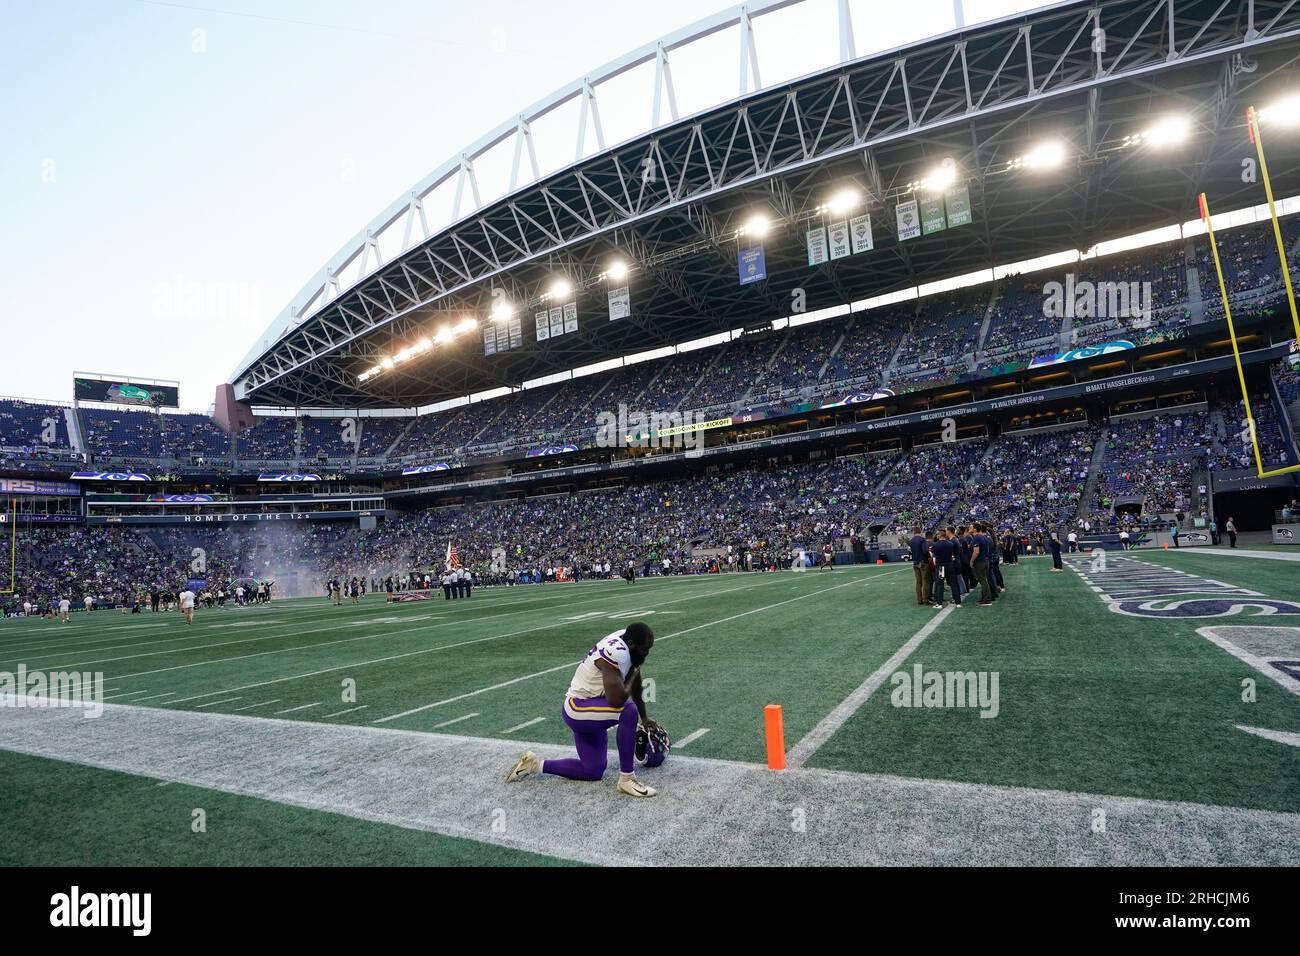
(605, 693)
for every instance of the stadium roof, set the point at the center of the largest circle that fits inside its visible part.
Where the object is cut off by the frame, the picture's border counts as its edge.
(669, 202)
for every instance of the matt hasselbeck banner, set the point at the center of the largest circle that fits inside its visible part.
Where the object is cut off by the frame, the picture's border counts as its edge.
(909, 220)
(620, 303)
(751, 265)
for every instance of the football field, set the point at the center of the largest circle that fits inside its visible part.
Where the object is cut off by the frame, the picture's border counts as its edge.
(1147, 711)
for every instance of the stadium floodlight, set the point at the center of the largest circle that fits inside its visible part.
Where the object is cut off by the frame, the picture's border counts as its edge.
(387, 363)
(756, 226)
(846, 200)
(466, 324)
(1047, 155)
(425, 344)
(1167, 131)
(1283, 112)
(444, 334)
(560, 289)
(502, 311)
(617, 269)
(937, 179)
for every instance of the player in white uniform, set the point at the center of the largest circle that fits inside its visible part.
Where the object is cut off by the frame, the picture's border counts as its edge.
(605, 692)
(187, 605)
(65, 606)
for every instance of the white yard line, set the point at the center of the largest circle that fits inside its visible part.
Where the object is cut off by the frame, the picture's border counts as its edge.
(455, 720)
(265, 703)
(293, 710)
(837, 718)
(340, 713)
(213, 703)
(526, 723)
(693, 735)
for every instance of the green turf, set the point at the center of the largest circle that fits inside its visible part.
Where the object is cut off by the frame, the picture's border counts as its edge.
(1090, 700)
(58, 814)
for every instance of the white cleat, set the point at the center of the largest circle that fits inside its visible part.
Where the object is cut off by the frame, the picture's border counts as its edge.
(633, 787)
(528, 764)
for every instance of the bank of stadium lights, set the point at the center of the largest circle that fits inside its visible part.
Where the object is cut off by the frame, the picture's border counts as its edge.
(1283, 112)
(936, 180)
(1042, 157)
(841, 203)
(1165, 132)
(559, 290)
(424, 345)
(755, 227)
(502, 311)
(615, 270)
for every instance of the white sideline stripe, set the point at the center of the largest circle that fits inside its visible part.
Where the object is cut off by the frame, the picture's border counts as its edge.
(265, 703)
(829, 725)
(560, 667)
(340, 713)
(454, 720)
(213, 703)
(693, 735)
(1247, 553)
(526, 723)
(303, 707)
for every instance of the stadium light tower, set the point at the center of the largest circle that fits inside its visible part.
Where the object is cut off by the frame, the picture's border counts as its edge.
(845, 200)
(756, 226)
(502, 311)
(1047, 155)
(1166, 131)
(559, 289)
(936, 180)
(617, 269)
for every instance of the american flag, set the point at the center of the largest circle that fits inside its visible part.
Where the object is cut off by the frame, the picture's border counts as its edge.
(453, 561)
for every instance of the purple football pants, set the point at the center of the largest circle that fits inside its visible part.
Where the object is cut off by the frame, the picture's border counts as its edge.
(590, 721)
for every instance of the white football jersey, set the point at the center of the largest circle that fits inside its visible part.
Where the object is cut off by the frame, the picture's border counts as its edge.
(187, 598)
(587, 679)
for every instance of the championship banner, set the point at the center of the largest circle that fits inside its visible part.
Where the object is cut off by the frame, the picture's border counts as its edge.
(557, 322)
(751, 265)
(288, 476)
(909, 220)
(838, 234)
(543, 324)
(503, 337)
(516, 332)
(489, 341)
(620, 303)
(957, 203)
(110, 476)
(932, 217)
(570, 317)
(860, 231)
(425, 469)
(816, 239)
(31, 486)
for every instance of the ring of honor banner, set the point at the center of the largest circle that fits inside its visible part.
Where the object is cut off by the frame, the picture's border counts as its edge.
(909, 220)
(556, 322)
(751, 265)
(817, 246)
(620, 303)
(502, 336)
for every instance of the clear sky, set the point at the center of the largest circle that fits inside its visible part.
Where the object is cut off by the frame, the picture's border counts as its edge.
(173, 173)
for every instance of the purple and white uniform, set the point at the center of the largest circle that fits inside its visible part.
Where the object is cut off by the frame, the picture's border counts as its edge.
(589, 715)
